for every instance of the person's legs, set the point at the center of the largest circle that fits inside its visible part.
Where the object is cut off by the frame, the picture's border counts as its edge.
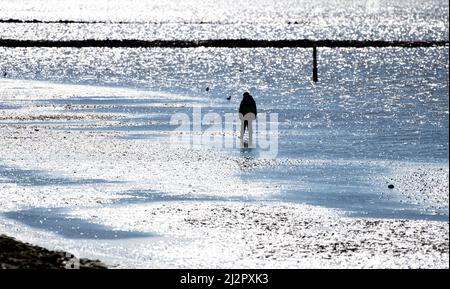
(250, 133)
(246, 123)
(241, 135)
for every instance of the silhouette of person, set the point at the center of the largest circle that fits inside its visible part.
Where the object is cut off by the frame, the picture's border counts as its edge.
(247, 113)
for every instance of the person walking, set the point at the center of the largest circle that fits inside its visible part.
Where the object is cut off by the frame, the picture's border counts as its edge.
(247, 113)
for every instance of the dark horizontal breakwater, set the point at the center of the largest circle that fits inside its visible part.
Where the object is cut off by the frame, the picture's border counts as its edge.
(32, 21)
(48, 21)
(226, 43)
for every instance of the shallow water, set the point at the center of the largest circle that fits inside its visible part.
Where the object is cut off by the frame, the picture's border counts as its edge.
(314, 165)
(389, 104)
(261, 19)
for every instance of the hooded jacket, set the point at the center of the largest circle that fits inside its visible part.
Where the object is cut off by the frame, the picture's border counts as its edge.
(248, 105)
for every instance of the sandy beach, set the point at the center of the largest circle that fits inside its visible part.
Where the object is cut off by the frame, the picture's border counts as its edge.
(69, 183)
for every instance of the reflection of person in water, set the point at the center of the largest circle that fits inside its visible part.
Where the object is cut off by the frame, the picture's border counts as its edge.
(247, 113)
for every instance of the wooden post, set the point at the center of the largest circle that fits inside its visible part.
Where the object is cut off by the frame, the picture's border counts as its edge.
(315, 78)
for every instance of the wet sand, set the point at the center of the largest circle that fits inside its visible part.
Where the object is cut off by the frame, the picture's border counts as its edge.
(278, 235)
(55, 160)
(258, 235)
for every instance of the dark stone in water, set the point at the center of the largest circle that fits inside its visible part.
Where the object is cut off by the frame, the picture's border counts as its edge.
(391, 186)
